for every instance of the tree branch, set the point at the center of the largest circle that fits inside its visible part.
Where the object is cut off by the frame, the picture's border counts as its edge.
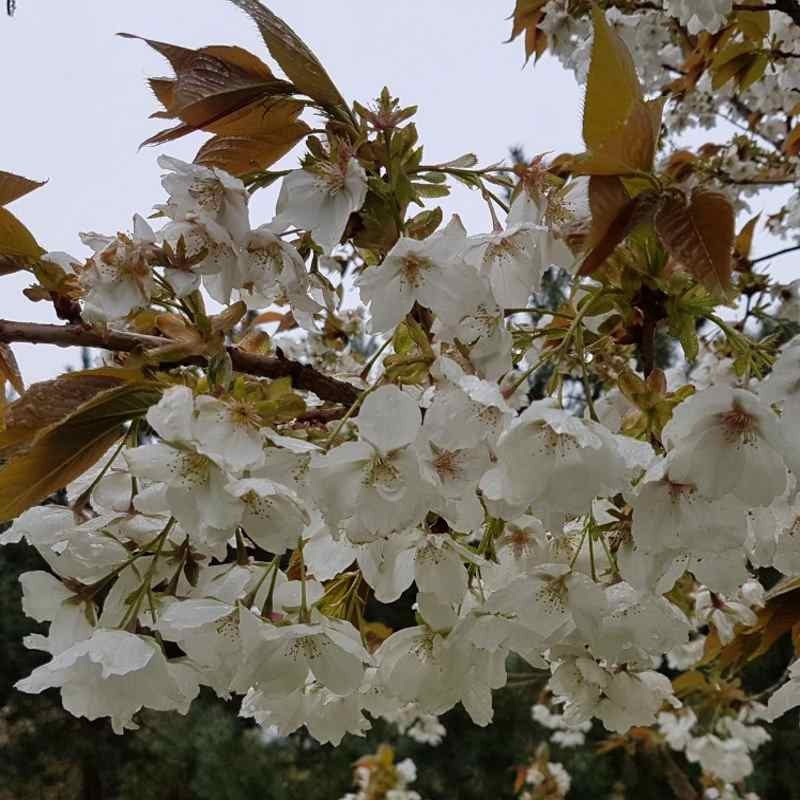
(775, 254)
(763, 7)
(303, 376)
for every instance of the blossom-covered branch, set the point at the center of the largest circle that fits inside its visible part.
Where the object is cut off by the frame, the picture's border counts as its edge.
(569, 455)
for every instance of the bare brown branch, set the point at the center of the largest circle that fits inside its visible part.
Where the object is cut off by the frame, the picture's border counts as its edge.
(304, 376)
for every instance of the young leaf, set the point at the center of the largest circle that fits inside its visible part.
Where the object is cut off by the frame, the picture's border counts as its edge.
(73, 445)
(241, 155)
(612, 87)
(744, 239)
(791, 145)
(613, 218)
(682, 327)
(462, 162)
(48, 402)
(16, 241)
(754, 25)
(740, 61)
(607, 198)
(18, 248)
(210, 85)
(699, 235)
(620, 128)
(255, 138)
(424, 224)
(298, 62)
(12, 187)
(526, 18)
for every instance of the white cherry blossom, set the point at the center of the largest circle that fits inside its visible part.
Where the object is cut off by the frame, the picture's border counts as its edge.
(374, 482)
(320, 199)
(277, 658)
(113, 674)
(509, 259)
(429, 272)
(723, 425)
(700, 15)
(228, 432)
(118, 279)
(214, 256)
(547, 456)
(327, 716)
(204, 194)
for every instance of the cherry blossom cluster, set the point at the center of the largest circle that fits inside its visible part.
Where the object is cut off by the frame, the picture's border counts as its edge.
(397, 422)
(217, 550)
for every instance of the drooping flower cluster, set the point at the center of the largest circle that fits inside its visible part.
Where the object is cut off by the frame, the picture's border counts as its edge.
(487, 515)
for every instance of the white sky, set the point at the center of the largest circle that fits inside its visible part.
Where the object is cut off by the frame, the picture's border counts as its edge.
(76, 104)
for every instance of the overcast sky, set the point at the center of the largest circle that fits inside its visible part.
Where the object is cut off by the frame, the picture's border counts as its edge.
(75, 103)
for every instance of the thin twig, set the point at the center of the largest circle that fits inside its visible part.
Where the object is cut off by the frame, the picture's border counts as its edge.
(775, 254)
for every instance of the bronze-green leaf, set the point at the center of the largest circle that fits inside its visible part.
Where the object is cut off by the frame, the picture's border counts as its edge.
(744, 239)
(301, 66)
(424, 224)
(699, 235)
(620, 127)
(211, 84)
(16, 241)
(612, 87)
(9, 369)
(254, 138)
(46, 403)
(614, 216)
(71, 446)
(12, 187)
(526, 18)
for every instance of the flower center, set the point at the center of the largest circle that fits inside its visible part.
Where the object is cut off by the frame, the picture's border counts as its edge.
(309, 647)
(678, 490)
(739, 425)
(423, 648)
(228, 628)
(558, 213)
(268, 256)
(505, 247)
(490, 416)
(414, 267)
(195, 469)
(244, 415)
(559, 444)
(519, 541)
(550, 597)
(447, 465)
(128, 257)
(207, 193)
(331, 176)
(382, 471)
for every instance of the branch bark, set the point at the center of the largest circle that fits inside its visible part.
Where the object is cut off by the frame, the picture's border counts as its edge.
(304, 376)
